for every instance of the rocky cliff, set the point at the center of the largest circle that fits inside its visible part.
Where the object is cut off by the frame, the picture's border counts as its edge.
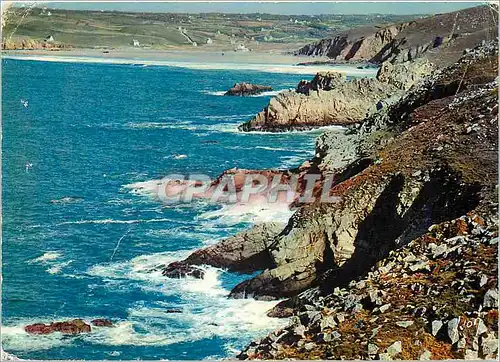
(423, 168)
(32, 44)
(441, 37)
(330, 99)
(405, 265)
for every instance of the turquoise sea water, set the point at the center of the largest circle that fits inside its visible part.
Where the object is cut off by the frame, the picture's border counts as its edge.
(89, 131)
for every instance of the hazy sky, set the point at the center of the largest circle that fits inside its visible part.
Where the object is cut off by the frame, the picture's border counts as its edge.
(305, 8)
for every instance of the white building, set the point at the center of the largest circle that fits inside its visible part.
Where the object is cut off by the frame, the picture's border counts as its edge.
(209, 41)
(241, 48)
(49, 39)
(136, 43)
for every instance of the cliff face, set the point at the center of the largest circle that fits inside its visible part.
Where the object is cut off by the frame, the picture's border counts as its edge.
(406, 41)
(405, 267)
(329, 99)
(435, 161)
(31, 44)
(435, 298)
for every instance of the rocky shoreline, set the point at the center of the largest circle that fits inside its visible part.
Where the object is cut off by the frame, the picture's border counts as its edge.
(331, 99)
(404, 267)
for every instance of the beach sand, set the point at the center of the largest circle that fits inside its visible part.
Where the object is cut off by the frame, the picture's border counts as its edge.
(269, 61)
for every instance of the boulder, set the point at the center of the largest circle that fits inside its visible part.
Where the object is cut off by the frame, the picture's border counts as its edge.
(101, 322)
(245, 252)
(181, 269)
(75, 326)
(247, 89)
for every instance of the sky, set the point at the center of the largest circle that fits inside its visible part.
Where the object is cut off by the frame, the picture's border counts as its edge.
(291, 8)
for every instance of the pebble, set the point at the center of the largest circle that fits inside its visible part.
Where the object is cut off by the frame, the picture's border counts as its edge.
(404, 324)
(420, 266)
(425, 356)
(481, 327)
(340, 317)
(385, 308)
(436, 326)
(453, 330)
(491, 298)
(299, 330)
(394, 349)
(328, 322)
(309, 346)
(372, 349)
(471, 355)
(489, 345)
(483, 280)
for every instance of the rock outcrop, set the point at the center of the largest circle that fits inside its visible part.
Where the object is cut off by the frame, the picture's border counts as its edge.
(436, 298)
(75, 326)
(330, 99)
(423, 168)
(247, 89)
(245, 252)
(440, 38)
(406, 266)
(32, 44)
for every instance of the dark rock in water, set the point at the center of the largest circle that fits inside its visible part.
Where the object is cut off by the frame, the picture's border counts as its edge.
(180, 269)
(247, 89)
(100, 322)
(173, 311)
(75, 326)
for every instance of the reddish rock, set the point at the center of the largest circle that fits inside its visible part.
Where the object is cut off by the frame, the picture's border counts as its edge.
(75, 326)
(38, 328)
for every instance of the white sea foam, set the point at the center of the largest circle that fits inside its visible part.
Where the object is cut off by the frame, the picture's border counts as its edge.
(180, 157)
(214, 93)
(263, 67)
(206, 312)
(56, 268)
(144, 188)
(185, 125)
(291, 161)
(234, 214)
(15, 338)
(229, 117)
(113, 221)
(46, 257)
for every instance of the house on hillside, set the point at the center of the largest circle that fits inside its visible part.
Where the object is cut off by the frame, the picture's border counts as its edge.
(136, 43)
(209, 41)
(49, 39)
(241, 48)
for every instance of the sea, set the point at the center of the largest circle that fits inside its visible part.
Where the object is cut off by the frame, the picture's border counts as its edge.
(83, 236)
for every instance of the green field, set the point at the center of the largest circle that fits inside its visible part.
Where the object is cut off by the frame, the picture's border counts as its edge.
(98, 29)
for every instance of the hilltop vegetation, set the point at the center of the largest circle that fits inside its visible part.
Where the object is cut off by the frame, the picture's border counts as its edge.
(106, 29)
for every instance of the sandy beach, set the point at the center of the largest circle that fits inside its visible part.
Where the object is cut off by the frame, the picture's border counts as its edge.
(269, 61)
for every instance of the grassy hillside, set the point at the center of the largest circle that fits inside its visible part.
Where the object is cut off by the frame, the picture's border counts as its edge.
(95, 29)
